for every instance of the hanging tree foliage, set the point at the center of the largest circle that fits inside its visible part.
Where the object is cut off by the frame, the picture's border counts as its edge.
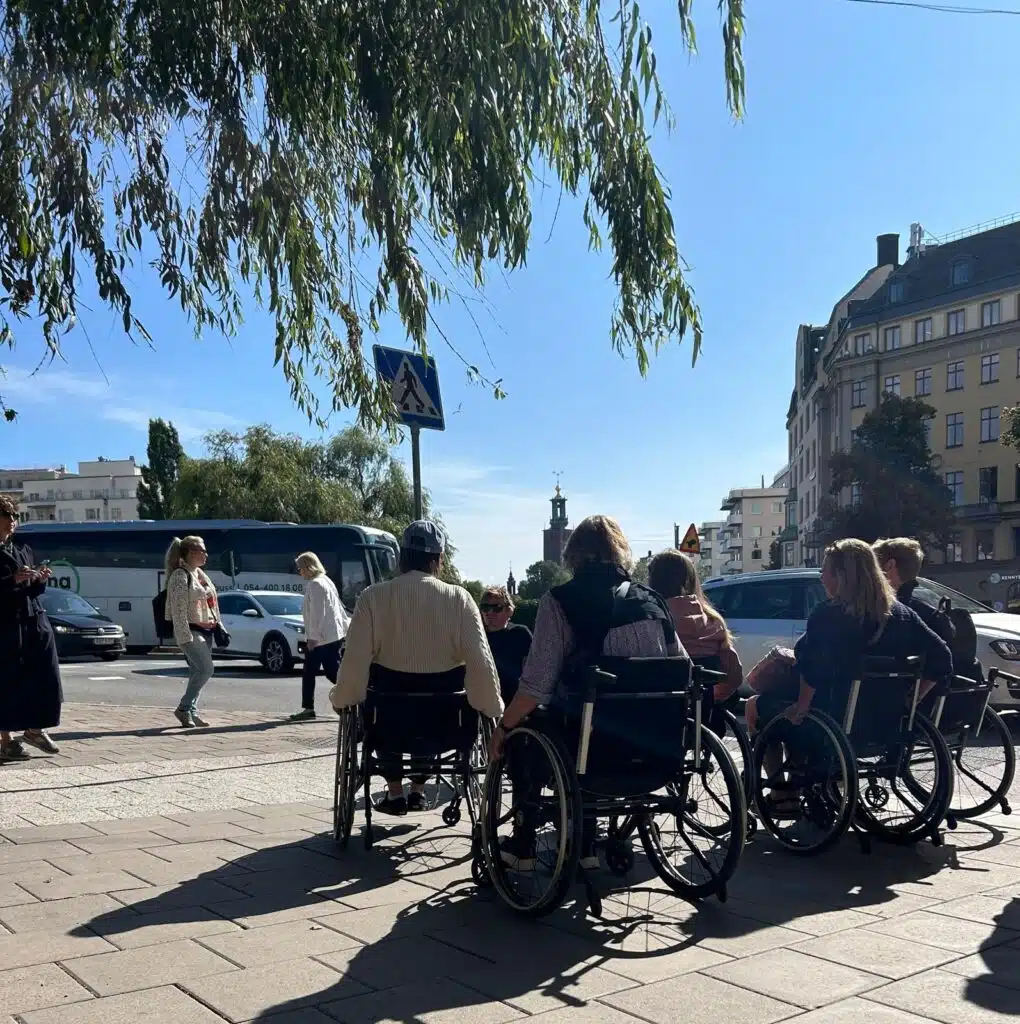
(320, 155)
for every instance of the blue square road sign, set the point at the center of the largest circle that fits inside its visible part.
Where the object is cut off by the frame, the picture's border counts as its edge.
(414, 383)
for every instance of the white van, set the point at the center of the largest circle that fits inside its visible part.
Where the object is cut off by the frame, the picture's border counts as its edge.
(765, 609)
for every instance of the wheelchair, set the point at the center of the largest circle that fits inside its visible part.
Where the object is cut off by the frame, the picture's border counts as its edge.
(883, 770)
(629, 746)
(428, 719)
(980, 744)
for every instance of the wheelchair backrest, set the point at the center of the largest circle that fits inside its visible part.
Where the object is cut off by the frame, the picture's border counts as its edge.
(961, 708)
(881, 702)
(640, 713)
(409, 711)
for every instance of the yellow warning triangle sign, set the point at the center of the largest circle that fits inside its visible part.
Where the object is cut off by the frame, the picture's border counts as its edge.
(691, 544)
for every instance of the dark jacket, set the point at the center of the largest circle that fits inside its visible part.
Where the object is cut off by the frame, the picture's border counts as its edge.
(510, 648)
(832, 649)
(938, 622)
(30, 691)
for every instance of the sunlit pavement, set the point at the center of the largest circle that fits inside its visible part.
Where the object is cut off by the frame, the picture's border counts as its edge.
(151, 873)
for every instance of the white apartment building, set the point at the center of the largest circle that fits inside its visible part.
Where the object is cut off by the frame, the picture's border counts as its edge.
(756, 518)
(101, 491)
(712, 535)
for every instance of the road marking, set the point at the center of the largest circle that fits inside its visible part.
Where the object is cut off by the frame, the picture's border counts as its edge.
(104, 679)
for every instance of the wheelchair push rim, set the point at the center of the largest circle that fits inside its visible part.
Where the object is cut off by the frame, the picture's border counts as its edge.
(978, 789)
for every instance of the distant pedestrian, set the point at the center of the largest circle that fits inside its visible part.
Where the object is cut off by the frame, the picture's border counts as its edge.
(30, 690)
(509, 641)
(326, 622)
(192, 607)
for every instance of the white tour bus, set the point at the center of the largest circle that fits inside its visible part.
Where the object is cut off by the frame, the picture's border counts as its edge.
(119, 566)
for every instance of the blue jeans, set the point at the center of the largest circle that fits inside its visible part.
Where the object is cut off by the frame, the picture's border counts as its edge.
(198, 655)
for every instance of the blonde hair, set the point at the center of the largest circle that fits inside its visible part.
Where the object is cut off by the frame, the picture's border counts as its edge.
(501, 593)
(598, 540)
(310, 560)
(905, 552)
(180, 548)
(861, 586)
(673, 574)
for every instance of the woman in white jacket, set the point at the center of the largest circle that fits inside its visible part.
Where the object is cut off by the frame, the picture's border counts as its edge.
(326, 622)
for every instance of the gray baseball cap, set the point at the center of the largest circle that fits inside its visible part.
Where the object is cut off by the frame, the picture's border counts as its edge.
(425, 536)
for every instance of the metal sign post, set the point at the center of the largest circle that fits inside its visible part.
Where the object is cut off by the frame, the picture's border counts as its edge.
(417, 401)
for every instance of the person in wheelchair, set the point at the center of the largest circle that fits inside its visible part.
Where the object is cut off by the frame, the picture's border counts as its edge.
(417, 624)
(860, 618)
(700, 629)
(600, 611)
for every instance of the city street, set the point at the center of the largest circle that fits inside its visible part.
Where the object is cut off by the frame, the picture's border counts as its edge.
(158, 681)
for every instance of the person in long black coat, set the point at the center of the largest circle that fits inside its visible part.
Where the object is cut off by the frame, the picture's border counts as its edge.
(30, 690)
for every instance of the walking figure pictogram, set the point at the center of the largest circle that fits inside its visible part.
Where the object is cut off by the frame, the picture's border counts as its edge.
(410, 381)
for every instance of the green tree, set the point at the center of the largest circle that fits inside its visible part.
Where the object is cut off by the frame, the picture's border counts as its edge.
(475, 588)
(336, 160)
(1009, 435)
(640, 571)
(775, 556)
(541, 577)
(898, 492)
(158, 485)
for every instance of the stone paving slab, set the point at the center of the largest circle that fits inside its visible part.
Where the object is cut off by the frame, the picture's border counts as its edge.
(223, 898)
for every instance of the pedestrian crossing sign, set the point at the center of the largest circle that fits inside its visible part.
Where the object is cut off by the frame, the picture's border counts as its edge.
(691, 544)
(414, 386)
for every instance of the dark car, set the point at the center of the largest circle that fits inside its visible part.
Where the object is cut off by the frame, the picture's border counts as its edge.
(81, 628)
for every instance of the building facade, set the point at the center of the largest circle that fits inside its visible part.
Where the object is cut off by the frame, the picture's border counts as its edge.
(756, 517)
(712, 536)
(103, 490)
(557, 533)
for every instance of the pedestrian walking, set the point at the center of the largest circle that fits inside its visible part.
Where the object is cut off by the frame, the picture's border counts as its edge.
(30, 690)
(326, 622)
(192, 607)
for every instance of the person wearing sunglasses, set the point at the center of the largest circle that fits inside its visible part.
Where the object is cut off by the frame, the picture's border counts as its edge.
(508, 641)
(30, 690)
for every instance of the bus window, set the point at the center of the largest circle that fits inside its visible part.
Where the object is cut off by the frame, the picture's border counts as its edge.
(353, 578)
(271, 550)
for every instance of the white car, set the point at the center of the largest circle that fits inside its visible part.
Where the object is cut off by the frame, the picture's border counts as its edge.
(264, 624)
(765, 609)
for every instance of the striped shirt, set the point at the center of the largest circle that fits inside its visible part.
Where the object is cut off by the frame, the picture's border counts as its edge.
(417, 623)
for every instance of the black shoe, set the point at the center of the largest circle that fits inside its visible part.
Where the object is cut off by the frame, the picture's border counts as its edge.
(416, 801)
(395, 805)
(304, 715)
(518, 852)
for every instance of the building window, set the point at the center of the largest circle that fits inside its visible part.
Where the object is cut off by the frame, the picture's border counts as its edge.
(954, 481)
(956, 322)
(67, 515)
(991, 313)
(988, 489)
(960, 273)
(892, 339)
(954, 430)
(929, 426)
(777, 508)
(892, 384)
(954, 376)
(990, 368)
(990, 423)
(787, 555)
(896, 293)
(984, 544)
(857, 394)
(862, 344)
(922, 330)
(855, 494)
(90, 513)
(954, 549)
(922, 380)
(755, 508)
(115, 513)
(755, 531)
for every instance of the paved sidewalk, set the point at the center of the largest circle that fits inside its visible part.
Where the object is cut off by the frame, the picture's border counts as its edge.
(251, 914)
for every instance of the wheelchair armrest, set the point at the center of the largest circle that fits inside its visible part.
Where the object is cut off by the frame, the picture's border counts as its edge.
(1011, 679)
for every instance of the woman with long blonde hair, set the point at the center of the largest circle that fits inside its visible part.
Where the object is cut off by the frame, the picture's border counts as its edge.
(700, 627)
(192, 607)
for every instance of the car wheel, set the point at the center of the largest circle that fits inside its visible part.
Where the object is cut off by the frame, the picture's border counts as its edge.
(112, 656)
(276, 656)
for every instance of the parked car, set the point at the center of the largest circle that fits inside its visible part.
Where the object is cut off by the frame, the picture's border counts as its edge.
(264, 624)
(81, 628)
(764, 609)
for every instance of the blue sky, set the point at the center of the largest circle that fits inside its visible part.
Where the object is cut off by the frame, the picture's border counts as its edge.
(860, 120)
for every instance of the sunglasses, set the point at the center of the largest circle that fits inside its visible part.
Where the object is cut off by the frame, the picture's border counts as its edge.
(493, 607)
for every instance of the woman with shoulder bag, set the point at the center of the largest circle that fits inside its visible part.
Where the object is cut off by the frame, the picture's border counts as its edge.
(192, 608)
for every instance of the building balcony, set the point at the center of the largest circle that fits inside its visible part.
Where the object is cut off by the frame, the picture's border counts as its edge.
(989, 511)
(734, 544)
(791, 496)
(787, 534)
(735, 519)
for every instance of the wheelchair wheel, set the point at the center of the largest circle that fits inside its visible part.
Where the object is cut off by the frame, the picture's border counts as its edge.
(474, 781)
(695, 840)
(984, 766)
(346, 782)
(531, 822)
(805, 782)
(737, 743)
(904, 794)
